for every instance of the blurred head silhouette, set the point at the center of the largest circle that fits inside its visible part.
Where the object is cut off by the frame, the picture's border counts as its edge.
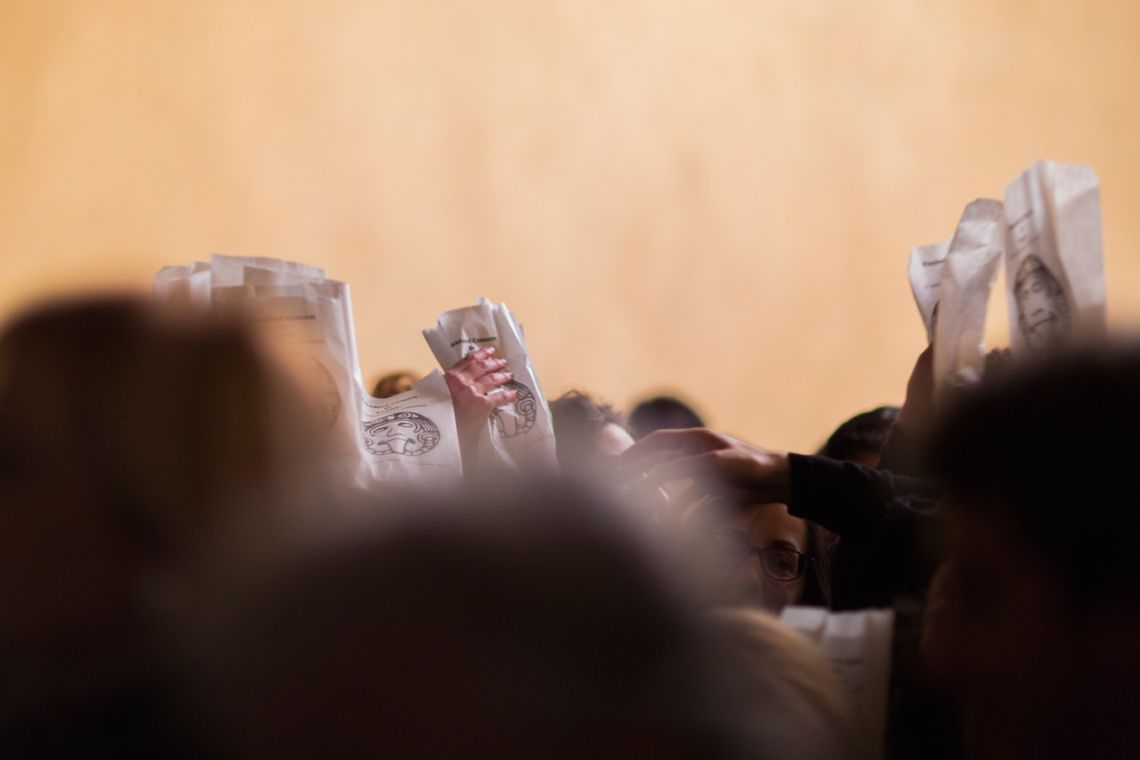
(128, 438)
(532, 620)
(1041, 614)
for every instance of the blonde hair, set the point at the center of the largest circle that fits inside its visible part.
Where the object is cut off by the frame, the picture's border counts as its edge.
(787, 697)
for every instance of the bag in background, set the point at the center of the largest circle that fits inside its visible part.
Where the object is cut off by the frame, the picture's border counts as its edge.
(1054, 257)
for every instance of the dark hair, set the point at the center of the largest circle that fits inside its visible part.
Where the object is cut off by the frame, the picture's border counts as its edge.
(865, 433)
(662, 413)
(577, 419)
(1049, 442)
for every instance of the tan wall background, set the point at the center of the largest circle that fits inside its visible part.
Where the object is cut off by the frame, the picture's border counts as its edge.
(712, 197)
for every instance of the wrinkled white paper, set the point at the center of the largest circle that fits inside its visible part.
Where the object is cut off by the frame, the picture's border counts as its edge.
(968, 278)
(520, 434)
(859, 647)
(1054, 257)
(925, 272)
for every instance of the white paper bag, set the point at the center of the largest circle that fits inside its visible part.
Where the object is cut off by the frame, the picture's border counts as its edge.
(520, 434)
(968, 277)
(925, 272)
(1054, 257)
(858, 644)
(306, 319)
(411, 437)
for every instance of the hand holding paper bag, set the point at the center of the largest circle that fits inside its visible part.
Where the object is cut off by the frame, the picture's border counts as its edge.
(519, 432)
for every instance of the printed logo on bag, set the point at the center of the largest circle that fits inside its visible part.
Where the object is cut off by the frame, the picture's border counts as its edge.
(1042, 308)
(406, 433)
(525, 412)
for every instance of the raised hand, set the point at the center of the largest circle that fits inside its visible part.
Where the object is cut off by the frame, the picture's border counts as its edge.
(471, 382)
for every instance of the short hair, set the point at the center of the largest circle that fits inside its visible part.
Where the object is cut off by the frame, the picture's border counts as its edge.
(1049, 442)
(865, 433)
(662, 413)
(394, 383)
(577, 419)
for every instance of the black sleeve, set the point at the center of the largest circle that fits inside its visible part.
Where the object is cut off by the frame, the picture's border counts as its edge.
(850, 499)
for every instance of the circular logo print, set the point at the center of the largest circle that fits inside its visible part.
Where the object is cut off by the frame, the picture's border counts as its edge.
(405, 433)
(517, 418)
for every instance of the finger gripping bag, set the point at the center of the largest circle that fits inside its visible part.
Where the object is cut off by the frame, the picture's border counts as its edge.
(1054, 257)
(520, 434)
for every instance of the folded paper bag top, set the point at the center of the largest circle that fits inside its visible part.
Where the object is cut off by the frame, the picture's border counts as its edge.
(520, 434)
(968, 278)
(1054, 257)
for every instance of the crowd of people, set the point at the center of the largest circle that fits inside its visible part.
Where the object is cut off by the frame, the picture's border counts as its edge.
(183, 576)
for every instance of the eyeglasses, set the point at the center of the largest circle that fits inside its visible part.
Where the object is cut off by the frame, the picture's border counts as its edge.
(730, 549)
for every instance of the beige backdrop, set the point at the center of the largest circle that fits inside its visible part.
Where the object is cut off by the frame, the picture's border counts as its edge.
(712, 197)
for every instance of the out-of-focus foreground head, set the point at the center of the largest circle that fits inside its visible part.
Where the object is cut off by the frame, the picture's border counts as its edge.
(588, 432)
(662, 413)
(1042, 610)
(161, 423)
(128, 437)
(533, 621)
(861, 438)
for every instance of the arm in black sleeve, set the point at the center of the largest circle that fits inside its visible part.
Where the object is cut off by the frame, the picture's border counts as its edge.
(850, 499)
(889, 538)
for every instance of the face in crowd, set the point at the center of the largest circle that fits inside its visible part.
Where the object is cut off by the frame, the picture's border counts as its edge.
(762, 554)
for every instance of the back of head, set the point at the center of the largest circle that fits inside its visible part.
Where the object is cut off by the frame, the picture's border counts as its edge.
(128, 439)
(662, 413)
(1043, 602)
(529, 622)
(1052, 448)
(164, 421)
(861, 438)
